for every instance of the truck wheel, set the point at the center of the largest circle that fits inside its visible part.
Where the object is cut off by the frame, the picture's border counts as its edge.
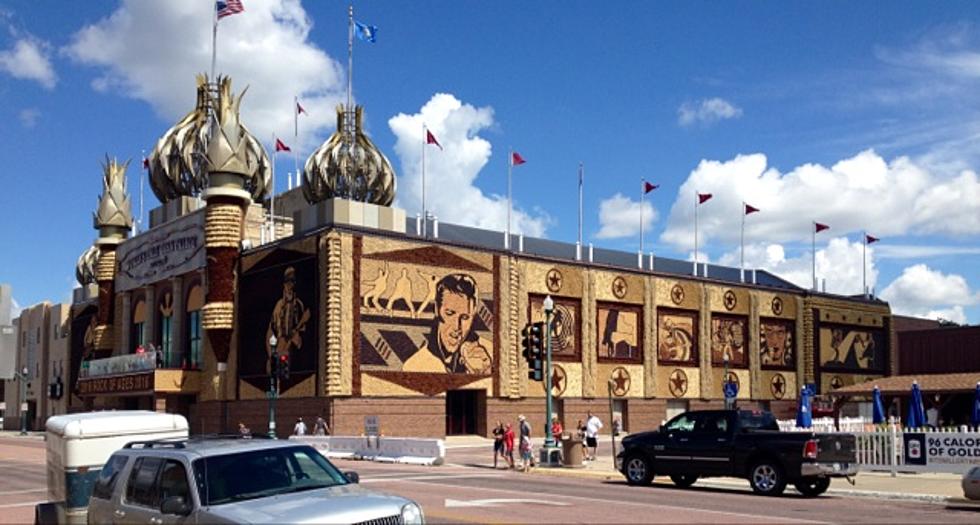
(767, 478)
(683, 480)
(637, 470)
(812, 487)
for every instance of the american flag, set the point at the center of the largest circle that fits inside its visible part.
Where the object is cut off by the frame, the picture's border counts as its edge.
(228, 7)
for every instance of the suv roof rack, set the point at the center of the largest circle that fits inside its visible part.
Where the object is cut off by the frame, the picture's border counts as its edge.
(236, 435)
(157, 443)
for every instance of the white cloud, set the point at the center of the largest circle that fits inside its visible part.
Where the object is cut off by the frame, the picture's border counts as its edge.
(451, 191)
(28, 117)
(619, 216)
(839, 262)
(905, 251)
(706, 111)
(923, 292)
(28, 60)
(862, 192)
(152, 51)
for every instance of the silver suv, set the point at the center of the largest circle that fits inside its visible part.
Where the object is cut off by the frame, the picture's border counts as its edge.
(226, 480)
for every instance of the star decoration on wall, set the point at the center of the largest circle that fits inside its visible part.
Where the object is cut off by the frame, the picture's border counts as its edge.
(730, 300)
(553, 280)
(777, 306)
(677, 383)
(677, 294)
(777, 385)
(620, 381)
(619, 287)
(558, 380)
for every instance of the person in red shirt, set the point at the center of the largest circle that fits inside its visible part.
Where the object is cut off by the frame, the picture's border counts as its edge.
(556, 428)
(509, 444)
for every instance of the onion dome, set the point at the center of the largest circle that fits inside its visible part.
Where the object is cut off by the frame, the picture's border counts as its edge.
(85, 267)
(348, 165)
(114, 211)
(178, 164)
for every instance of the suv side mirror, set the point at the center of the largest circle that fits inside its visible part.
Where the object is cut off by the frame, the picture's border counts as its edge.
(175, 505)
(352, 476)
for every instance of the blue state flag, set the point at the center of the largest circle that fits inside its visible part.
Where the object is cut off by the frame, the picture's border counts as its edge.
(366, 32)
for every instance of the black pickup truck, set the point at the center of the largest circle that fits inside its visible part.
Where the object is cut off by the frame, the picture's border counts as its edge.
(737, 443)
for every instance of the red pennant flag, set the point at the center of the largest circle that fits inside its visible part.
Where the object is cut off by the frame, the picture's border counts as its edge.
(431, 139)
(300, 110)
(280, 146)
(750, 209)
(516, 159)
(647, 187)
(704, 197)
(820, 227)
(869, 239)
(146, 163)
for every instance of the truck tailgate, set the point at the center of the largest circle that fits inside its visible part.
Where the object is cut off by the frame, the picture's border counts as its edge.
(836, 448)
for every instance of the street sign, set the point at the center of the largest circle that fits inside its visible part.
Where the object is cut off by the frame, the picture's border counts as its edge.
(730, 389)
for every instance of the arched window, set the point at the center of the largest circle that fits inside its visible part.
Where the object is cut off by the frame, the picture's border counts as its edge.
(195, 301)
(139, 321)
(166, 311)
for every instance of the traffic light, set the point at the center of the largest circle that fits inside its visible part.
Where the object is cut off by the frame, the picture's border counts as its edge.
(274, 371)
(283, 370)
(533, 350)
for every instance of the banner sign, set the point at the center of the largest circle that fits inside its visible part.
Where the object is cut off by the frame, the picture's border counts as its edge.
(940, 448)
(166, 251)
(132, 383)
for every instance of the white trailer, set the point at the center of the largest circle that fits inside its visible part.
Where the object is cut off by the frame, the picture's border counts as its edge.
(78, 445)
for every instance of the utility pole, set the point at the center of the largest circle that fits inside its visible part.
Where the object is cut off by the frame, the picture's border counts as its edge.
(273, 385)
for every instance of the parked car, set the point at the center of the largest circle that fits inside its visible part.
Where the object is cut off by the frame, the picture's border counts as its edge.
(236, 480)
(738, 443)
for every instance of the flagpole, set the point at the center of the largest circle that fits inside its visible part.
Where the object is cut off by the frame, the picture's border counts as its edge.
(742, 257)
(214, 38)
(813, 253)
(510, 196)
(696, 203)
(581, 182)
(350, 77)
(272, 194)
(864, 265)
(643, 194)
(296, 135)
(424, 140)
(142, 176)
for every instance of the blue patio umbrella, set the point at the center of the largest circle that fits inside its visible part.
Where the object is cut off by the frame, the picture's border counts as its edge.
(917, 414)
(975, 414)
(878, 408)
(804, 410)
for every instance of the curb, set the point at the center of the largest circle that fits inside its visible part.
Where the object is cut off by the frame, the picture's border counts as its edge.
(719, 484)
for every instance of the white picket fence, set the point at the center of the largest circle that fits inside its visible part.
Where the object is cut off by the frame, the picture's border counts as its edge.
(882, 447)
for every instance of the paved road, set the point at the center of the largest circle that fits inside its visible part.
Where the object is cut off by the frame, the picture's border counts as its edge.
(466, 492)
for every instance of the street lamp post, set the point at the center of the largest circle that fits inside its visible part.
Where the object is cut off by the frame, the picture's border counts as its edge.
(23, 401)
(273, 387)
(549, 308)
(724, 385)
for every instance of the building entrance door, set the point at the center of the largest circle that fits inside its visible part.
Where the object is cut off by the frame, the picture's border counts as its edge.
(461, 412)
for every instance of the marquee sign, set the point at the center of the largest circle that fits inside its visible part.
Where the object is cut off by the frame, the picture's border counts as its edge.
(163, 252)
(941, 451)
(127, 384)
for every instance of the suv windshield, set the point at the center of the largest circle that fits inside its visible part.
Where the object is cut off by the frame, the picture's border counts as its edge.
(262, 473)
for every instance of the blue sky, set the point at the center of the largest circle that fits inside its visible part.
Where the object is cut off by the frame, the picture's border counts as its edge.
(861, 115)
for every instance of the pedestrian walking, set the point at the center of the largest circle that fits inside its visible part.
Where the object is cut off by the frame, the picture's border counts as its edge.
(525, 432)
(498, 443)
(580, 435)
(592, 426)
(300, 428)
(509, 444)
(320, 428)
(526, 453)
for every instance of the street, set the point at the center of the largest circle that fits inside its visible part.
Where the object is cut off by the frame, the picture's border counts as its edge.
(466, 490)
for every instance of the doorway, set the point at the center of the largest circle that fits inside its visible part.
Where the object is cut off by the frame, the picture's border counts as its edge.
(463, 411)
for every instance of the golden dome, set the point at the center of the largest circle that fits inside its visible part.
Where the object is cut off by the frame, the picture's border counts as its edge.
(85, 267)
(357, 171)
(178, 163)
(114, 209)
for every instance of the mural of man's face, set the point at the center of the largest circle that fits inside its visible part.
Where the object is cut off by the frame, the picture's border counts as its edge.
(288, 285)
(455, 319)
(776, 341)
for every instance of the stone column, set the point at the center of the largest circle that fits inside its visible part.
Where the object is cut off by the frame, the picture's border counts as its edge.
(704, 345)
(178, 339)
(591, 384)
(650, 337)
(152, 312)
(755, 374)
(125, 327)
(805, 337)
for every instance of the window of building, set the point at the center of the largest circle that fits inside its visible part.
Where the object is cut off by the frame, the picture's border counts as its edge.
(195, 301)
(166, 310)
(139, 321)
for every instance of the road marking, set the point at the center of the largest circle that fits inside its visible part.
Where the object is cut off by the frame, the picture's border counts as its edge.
(24, 504)
(755, 517)
(430, 476)
(24, 491)
(493, 502)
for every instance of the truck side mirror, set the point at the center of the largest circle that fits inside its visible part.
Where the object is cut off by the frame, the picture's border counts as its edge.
(352, 476)
(175, 505)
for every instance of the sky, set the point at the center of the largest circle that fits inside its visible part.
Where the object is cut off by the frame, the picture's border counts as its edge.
(864, 116)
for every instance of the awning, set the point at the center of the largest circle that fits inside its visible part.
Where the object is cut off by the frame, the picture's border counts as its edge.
(902, 385)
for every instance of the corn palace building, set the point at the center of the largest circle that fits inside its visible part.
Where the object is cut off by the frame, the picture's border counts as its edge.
(414, 327)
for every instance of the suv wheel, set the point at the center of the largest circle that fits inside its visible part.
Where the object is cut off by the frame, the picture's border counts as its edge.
(767, 478)
(812, 487)
(683, 480)
(637, 470)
